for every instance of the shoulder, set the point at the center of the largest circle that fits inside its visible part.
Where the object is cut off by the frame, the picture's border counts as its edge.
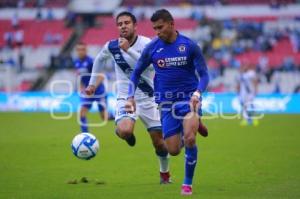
(153, 43)
(186, 40)
(144, 39)
(191, 45)
(89, 59)
(76, 63)
(112, 44)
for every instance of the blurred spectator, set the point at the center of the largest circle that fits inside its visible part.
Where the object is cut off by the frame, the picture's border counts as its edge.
(263, 64)
(9, 38)
(288, 64)
(48, 38)
(38, 15)
(295, 41)
(275, 4)
(40, 3)
(15, 22)
(50, 15)
(52, 38)
(197, 15)
(21, 4)
(19, 37)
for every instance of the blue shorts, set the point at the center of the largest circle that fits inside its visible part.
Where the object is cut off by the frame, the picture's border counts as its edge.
(87, 102)
(172, 118)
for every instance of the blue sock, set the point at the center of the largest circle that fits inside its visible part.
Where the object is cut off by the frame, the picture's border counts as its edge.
(250, 113)
(190, 164)
(83, 125)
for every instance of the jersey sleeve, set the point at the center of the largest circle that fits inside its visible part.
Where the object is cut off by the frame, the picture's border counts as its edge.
(99, 61)
(143, 62)
(201, 68)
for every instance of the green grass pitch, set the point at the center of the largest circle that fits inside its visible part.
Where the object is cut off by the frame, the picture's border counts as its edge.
(234, 162)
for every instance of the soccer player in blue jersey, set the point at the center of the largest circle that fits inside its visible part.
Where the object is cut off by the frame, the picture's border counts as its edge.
(178, 90)
(84, 65)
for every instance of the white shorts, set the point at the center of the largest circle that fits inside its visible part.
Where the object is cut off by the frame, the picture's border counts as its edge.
(247, 99)
(146, 110)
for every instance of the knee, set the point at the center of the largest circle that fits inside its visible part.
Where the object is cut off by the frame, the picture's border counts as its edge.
(159, 145)
(174, 151)
(83, 111)
(124, 132)
(189, 140)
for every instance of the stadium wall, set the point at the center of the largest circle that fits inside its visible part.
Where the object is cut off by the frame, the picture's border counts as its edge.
(223, 103)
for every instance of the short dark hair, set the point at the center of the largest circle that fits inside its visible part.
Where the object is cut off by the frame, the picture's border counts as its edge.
(163, 14)
(126, 13)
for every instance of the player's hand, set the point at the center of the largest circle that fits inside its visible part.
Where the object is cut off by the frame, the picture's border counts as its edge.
(195, 102)
(124, 44)
(90, 90)
(130, 105)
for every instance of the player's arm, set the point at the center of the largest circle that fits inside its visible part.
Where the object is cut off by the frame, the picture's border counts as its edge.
(78, 74)
(143, 62)
(201, 68)
(97, 77)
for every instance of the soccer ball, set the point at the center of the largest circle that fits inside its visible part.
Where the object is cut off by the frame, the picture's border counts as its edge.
(85, 146)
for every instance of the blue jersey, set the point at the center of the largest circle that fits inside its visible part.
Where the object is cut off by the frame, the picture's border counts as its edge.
(175, 67)
(84, 67)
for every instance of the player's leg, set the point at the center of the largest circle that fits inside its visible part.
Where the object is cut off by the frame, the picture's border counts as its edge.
(149, 114)
(84, 109)
(172, 129)
(190, 127)
(202, 130)
(244, 113)
(124, 130)
(162, 155)
(102, 109)
(125, 123)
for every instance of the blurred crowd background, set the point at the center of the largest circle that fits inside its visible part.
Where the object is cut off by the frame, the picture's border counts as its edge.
(37, 38)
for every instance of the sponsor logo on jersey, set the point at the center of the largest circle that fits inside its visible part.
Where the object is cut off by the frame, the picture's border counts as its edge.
(117, 56)
(161, 63)
(175, 61)
(159, 50)
(182, 48)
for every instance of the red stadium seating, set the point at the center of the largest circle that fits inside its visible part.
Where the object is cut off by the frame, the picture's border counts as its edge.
(280, 51)
(35, 30)
(109, 30)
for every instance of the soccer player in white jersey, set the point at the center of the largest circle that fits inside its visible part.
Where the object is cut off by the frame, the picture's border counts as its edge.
(247, 89)
(125, 51)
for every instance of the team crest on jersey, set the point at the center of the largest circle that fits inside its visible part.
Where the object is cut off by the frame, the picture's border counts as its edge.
(161, 63)
(182, 48)
(117, 56)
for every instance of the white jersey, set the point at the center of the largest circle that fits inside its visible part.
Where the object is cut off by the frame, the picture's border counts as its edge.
(246, 81)
(122, 75)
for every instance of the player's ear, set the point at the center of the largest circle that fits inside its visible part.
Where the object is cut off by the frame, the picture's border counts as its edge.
(135, 26)
(171, 23)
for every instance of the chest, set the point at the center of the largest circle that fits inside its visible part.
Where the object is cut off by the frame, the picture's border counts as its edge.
(84, 66)
(172, 56)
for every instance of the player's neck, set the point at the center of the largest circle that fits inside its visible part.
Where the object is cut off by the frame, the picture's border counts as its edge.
(132, 40)
(173, 37)
(83, 57)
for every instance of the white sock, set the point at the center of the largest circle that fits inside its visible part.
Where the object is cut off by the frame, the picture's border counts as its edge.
(164, 163)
